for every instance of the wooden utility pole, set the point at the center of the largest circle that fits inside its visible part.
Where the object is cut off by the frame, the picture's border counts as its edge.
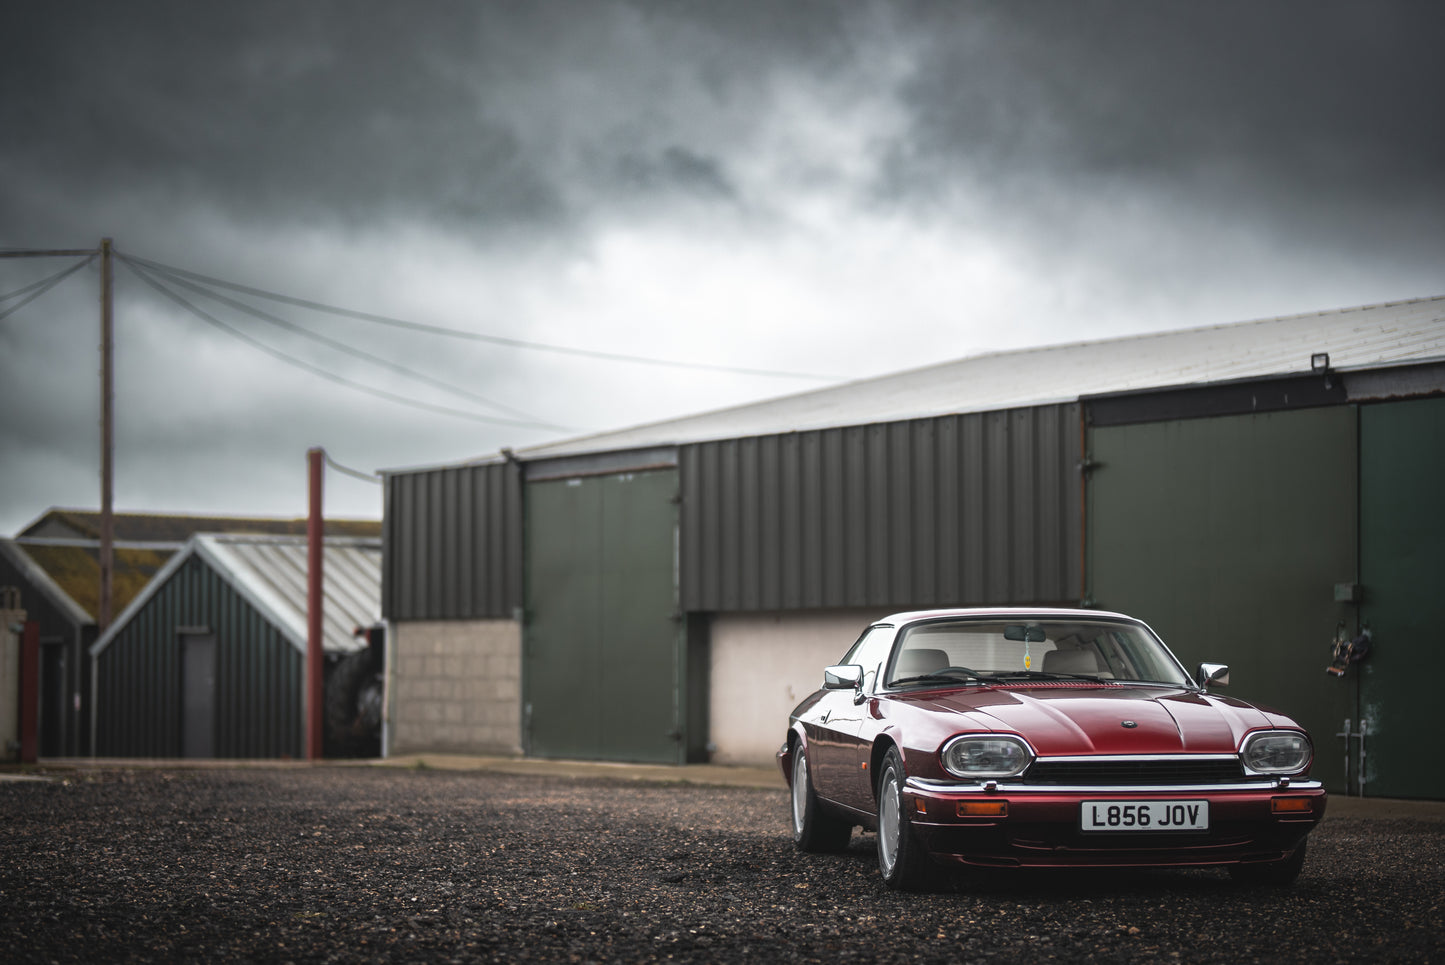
(107, 405)
(107, 437)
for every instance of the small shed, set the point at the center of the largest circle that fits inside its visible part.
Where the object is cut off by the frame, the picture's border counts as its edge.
(209, 660)
(54, 566)
(56, 578)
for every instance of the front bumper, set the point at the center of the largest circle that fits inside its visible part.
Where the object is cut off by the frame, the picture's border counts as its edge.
(1041, 826)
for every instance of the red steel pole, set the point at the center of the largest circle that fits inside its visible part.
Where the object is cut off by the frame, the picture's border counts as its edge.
(314, 626)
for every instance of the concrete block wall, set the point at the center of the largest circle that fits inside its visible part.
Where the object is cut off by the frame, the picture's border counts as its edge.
(455, 687)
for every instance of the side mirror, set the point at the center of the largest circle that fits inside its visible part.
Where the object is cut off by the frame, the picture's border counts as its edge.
(845, 677)
(1213, 673)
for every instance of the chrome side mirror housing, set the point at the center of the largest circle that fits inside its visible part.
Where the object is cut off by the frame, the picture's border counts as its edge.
(1212, 673)
(843, 677)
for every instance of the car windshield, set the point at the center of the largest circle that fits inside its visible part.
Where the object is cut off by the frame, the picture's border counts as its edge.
(1017, 649)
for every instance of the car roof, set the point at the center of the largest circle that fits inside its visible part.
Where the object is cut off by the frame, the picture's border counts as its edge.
(1047, 613)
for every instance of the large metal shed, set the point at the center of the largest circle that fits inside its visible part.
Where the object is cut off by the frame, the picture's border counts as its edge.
(209, 661)
(747, 546)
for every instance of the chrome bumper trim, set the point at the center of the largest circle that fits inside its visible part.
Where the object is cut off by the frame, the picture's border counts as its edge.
(1134, 758)
(952, 787)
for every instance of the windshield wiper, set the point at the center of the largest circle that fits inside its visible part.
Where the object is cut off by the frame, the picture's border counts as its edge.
(951, 676)
(1044, 675)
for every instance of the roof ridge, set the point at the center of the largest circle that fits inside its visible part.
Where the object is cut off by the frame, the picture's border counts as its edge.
(1158, 334)
(905, 373)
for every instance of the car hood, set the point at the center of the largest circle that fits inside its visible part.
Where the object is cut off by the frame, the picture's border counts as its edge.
(1113, 720)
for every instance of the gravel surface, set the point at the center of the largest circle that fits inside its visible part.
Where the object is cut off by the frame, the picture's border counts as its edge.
(355, 864)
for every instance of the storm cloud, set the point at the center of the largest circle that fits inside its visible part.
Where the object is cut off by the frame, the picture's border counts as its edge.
(839, 189)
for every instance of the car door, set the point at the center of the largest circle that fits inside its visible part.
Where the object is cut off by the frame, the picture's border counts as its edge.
(834, 727)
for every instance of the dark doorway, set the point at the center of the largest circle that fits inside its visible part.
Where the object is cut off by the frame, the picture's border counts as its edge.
(53, 716)
(198, 695)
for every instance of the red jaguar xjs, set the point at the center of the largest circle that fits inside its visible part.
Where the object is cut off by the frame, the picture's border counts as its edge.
(1010, 738)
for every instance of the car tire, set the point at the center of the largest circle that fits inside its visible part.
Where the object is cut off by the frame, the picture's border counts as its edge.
(902, 860)
(1274, 874)
(814, 829)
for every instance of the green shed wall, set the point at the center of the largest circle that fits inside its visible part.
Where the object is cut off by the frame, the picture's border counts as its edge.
(258, 698)
(1402, 571)
(1228, 535)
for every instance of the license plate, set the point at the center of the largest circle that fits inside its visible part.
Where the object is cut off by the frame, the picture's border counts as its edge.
(1145, 815)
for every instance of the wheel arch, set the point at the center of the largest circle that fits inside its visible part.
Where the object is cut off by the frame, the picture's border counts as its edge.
(881, 747)
(795, 743)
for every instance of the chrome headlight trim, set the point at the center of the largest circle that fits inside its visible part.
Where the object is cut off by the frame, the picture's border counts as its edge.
(1276, 752)
(1009, 756)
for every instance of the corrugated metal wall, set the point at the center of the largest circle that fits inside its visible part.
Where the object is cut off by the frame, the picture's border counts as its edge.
(964, 509)
(453, 543)
(258, 709)
(64, 729)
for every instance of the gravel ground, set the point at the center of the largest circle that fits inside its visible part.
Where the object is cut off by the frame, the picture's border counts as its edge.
(355, 864)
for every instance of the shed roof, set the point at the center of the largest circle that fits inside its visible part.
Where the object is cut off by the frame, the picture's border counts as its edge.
(60, 550)
(49, 585)
(61, 523)
(69, 574)
(270, 572)
(1365, 337)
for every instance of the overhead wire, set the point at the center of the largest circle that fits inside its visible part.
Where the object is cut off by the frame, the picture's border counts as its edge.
(348, 349)
(36, 289)
(479, 336)
(43, 282)
(370, 477)
(210, 319)
(152, 273)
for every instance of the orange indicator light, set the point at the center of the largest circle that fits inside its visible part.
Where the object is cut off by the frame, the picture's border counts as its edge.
(921, 805)
(983, 809)
(1290, 805)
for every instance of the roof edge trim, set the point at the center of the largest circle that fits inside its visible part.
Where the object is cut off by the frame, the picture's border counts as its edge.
(162, 576)
(44, 582)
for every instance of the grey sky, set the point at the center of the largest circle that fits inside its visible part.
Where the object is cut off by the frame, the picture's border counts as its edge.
(843, 188)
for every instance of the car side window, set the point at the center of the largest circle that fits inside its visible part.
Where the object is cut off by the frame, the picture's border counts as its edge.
(870, 652)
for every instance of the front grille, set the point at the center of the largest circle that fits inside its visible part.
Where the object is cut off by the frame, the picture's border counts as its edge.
(1117, 773)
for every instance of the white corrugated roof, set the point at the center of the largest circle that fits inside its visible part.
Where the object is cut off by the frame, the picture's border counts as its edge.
(1370, 336)
(270, 572)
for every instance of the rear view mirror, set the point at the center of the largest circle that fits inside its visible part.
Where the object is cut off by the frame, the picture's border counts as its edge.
(1023, 634)
(1213, 673)
(845, 677)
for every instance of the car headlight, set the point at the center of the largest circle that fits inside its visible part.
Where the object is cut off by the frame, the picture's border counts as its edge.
(987, 756)
(1277, 752)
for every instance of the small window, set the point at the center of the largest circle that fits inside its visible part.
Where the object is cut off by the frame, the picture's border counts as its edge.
(870, 651)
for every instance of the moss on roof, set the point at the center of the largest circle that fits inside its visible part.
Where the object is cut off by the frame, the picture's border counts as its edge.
(76, 570)
(159, 528)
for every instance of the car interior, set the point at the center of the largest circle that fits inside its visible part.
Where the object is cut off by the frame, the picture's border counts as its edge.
(1069, 649)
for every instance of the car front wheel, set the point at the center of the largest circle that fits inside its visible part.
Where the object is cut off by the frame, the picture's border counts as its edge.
(901, 858)
(813, 829)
